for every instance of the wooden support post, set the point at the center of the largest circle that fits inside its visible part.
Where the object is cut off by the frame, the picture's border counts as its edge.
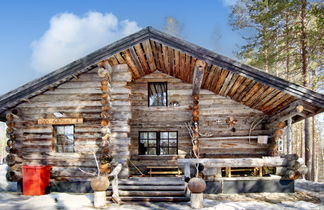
(196, 84)
(289, 135)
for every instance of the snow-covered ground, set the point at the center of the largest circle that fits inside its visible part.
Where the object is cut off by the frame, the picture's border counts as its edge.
(84, 201)
(311, 196)
(4, 185)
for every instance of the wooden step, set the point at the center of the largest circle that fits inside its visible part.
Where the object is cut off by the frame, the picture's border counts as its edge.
(152, 183)
(150, 188)
(149, 193)
(154, 199)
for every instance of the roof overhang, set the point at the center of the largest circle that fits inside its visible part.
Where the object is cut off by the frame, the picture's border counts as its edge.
(150, 48)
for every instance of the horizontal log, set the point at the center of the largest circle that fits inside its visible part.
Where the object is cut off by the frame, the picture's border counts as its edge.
(13, 176)
(233, 162)
(12, 159)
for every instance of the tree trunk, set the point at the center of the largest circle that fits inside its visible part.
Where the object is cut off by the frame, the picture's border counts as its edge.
(304, 57)
(308, 151)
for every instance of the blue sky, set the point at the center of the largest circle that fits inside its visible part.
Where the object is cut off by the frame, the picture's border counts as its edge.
(26, 28)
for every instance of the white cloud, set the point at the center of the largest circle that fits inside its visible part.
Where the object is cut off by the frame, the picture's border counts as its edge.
(229, 3)
(70, 37)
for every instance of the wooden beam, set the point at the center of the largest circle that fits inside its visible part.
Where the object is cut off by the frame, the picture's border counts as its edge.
(149, 55)
(198, 76)
(140, 54)
(131, 64)
(236, 162)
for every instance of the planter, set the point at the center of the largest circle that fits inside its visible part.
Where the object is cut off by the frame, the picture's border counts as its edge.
(99, 183)
(197, 185)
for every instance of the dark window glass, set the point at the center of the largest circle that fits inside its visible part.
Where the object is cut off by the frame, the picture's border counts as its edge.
(157, 93)
(158, 143)
(64, 136)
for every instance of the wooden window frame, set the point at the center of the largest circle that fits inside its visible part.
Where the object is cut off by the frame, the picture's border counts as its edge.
(54, 147)
(158, 139)
(149, 94)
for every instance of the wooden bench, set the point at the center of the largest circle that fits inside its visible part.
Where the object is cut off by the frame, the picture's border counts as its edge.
(164, 170)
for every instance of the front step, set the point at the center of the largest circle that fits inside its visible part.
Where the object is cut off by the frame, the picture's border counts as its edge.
(148, 193)
(151, 189)
(154, 199)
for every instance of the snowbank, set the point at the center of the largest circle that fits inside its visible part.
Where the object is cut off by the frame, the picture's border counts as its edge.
(4, 184)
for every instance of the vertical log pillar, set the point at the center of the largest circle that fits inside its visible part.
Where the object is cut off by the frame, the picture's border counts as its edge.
(197, 80)
(121, 115)
(308, 151)
(289, 135)
(105, 73)
(195, 119)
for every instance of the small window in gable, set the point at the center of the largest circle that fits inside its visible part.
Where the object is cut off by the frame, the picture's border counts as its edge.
(157, 94)
(64, 138)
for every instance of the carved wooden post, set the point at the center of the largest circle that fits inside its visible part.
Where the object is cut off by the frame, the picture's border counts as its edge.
(197, 80)
(196, 195)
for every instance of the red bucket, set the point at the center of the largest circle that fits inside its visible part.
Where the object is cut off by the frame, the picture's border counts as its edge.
(35, 179)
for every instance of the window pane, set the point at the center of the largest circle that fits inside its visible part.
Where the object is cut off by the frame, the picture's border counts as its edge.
(144, 142)
(151, 151)
(64, 138)
(152, 143)
(157, 93)
(59, 129)
(172, 135)
(172, 143)
(164, 151)
(152, 135)
(143, 135)
(164, 135)
(164, 143)
(172, 151)
(68, 129)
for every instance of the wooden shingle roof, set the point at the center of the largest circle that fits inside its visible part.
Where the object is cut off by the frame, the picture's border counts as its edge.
(149, 50)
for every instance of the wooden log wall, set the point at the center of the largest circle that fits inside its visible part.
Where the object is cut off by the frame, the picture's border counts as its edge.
(80, 97)
(213, 113)
(121, 114)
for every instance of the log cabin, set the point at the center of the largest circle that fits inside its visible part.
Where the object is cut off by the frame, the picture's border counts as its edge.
(156, 104)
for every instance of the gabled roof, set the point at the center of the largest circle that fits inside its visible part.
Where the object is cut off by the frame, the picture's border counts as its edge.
(150, 49)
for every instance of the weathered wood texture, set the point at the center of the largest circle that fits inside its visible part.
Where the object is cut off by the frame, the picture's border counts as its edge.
(121, 114)
(77, 98)
(214, 110)
(150, 49)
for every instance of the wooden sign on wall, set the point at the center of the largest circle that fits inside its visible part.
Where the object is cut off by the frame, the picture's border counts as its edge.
(60, 121)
